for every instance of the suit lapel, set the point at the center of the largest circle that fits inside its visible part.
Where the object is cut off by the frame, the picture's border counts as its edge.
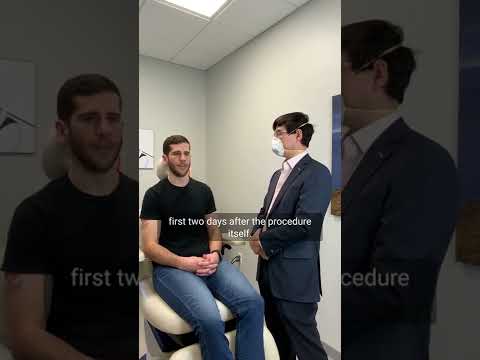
(380, 151)
(297, 170)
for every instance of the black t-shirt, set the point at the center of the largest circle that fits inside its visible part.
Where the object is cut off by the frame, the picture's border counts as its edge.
(182, 213)
(88, 244)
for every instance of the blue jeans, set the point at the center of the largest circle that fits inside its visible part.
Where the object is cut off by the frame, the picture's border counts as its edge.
(192, 298)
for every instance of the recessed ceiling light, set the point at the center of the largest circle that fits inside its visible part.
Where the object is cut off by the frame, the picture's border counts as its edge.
(206, 8)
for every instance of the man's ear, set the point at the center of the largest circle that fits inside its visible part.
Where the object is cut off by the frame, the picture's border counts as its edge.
(56, 157)
(380, 71)
(61, 131)
(299, 135)
(162, 168)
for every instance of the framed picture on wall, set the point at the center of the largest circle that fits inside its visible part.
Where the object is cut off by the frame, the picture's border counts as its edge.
(145, 152)
(17, 107)
(336, 154)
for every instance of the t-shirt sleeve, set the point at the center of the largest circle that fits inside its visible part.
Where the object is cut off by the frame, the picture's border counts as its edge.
(151, 206)
(210, 205)
(27, 248)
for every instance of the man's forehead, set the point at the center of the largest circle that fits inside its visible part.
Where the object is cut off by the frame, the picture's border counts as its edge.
(181, 146)
(104, 99)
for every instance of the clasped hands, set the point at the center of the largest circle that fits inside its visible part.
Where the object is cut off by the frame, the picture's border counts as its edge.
(255, 245)
(201, 266)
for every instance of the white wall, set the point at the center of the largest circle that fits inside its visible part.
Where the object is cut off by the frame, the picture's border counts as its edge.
(173, 102)
(431, 107)
(58, 40)
(294, 66)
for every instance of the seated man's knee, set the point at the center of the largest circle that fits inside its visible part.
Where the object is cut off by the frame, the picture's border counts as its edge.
(206, 322)
(256, 304)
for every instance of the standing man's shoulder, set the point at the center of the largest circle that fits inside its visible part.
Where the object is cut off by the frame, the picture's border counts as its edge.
(420, 156)
(425, 148)
(426, 170)
(319, 180)
(318, 168)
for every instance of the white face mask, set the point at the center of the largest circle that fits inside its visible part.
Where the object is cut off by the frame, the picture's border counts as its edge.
(351, 113)
(277, 146)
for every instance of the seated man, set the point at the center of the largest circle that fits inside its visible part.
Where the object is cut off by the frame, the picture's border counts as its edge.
(188, 271)
(79, 231)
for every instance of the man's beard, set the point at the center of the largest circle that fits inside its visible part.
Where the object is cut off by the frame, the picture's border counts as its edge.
(89, 162)
(176, 172)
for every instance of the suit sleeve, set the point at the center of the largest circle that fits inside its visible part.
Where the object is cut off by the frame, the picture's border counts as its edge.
(312, 205)
(417, 223)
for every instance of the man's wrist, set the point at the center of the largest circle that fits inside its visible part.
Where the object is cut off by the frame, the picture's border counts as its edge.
(218, 253)
(178, 262)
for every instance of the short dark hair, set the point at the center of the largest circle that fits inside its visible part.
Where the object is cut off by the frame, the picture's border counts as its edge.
(365, 41)
(171, 140)
(82, 85)
(293, 121)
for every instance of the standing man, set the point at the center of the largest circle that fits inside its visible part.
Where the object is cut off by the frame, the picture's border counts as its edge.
(183, 241)
(399, 203)
(288, 270)
(80, 231)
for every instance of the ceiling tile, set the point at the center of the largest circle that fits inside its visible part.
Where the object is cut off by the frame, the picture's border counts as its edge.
(164, 30)
(254, 16)
(215, 42)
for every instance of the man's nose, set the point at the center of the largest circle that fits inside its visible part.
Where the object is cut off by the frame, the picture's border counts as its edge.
(104, 126)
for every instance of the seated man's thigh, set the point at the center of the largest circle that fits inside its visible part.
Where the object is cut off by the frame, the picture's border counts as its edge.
(186, 293)
(231, 287)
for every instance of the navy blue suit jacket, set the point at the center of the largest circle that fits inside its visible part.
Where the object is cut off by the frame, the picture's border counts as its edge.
(293, 267)
(398, 214)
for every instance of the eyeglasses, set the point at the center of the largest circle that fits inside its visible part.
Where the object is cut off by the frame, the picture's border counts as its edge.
(278, 133)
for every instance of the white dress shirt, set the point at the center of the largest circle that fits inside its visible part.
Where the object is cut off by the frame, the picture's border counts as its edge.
(287, 168)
